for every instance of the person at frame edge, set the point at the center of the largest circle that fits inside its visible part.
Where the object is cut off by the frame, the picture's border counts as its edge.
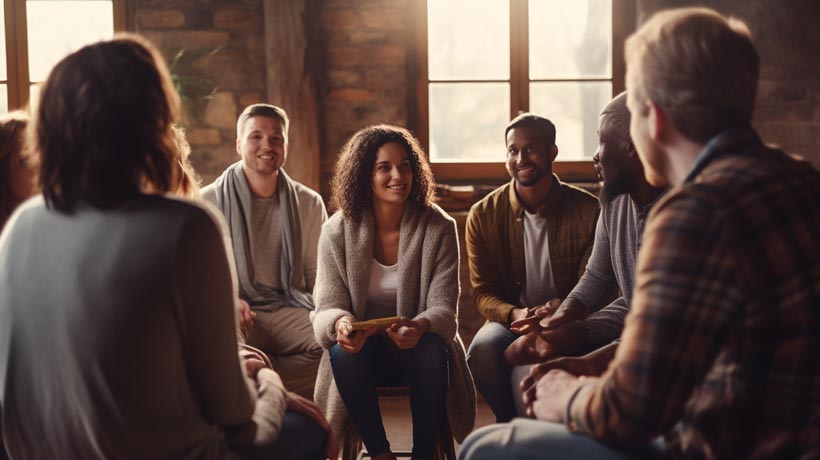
(143, 330)
(387, 251)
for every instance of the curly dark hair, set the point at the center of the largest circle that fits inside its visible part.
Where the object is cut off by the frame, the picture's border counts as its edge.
(103, 127)
(12, 134)
(351, 186)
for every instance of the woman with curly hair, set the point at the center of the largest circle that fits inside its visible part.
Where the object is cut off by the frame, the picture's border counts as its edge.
(389, 251)
(17, 172)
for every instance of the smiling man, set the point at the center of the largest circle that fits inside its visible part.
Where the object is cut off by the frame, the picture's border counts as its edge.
(587, 319)
(274, 223)
(527, 242)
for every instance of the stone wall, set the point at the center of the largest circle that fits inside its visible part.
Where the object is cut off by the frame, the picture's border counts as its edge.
(223, 67)
(787, 111)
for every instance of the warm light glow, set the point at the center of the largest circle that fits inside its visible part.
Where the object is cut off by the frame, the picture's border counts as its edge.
(58, 27)
(469, 73)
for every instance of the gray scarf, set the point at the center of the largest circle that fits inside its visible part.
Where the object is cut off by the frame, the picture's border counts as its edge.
(233, 197)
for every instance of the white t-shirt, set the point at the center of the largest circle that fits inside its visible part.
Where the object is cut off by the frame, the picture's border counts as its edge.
(539, 286)
(381, 292)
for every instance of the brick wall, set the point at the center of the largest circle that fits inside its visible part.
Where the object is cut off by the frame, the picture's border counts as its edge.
(364, 81)
(230, 73)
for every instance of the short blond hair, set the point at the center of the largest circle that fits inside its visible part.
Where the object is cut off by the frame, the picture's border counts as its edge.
(700, 67)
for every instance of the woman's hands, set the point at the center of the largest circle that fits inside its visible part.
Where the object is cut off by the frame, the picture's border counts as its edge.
(405, 332)
(351, 341)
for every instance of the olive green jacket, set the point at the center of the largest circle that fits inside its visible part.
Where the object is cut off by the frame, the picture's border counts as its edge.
(495, 244)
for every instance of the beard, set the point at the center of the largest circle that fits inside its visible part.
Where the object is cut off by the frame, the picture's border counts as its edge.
(613, 189)
(537, 175)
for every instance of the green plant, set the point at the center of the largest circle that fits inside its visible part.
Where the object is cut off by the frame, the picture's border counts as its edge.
(194, 89)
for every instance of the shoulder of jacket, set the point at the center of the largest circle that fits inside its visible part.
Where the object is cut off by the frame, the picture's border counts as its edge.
(209, 192)
(335, 223)
(438, 216)
(307, 194)
(492, 201)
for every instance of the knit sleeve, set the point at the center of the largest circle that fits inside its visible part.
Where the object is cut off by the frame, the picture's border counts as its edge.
(331, 293)
(443, 292)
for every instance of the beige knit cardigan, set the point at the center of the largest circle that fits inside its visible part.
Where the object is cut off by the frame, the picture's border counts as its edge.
(428, 288)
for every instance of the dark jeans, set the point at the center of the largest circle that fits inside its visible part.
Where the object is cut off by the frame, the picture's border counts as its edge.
(301, 438)
(380, 363)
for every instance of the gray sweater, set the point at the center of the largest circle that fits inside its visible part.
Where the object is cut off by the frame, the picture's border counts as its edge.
(428, 288)
(611, 266)
(117, 334)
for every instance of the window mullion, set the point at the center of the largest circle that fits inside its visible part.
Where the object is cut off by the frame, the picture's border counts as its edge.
(11, 55)
(519, 57)
(120, 15)
(17, 40)
(623, 24)
(418, 99)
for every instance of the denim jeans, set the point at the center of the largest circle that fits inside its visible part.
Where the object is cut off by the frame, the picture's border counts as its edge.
(380, 363)
(490, 370)
(525, 439)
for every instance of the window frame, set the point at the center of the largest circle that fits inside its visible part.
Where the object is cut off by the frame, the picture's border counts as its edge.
(623, 23)
(17, 64)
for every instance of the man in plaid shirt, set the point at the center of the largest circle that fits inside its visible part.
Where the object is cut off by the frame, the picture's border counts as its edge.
(721, 350)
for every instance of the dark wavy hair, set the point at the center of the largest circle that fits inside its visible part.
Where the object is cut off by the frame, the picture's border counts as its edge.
(351, 186)
(12, 137)
(103, 128)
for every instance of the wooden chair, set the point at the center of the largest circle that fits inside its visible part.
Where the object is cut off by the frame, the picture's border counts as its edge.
(352, 443)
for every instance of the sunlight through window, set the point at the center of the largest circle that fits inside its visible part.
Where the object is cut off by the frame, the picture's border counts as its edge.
(481, 52)
(51, 29)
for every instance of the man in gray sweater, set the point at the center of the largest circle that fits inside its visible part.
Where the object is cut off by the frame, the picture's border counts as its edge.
(274, 224)
(586, 320)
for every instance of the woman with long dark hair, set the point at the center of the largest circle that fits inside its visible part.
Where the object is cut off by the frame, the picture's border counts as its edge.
(117, 321)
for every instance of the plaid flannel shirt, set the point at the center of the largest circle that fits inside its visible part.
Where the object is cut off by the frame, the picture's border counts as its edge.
(721, 350)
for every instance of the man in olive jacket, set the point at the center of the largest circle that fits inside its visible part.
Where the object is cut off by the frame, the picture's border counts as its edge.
(528, 242)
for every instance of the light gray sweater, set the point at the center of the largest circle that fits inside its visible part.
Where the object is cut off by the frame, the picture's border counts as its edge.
(428, 288)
